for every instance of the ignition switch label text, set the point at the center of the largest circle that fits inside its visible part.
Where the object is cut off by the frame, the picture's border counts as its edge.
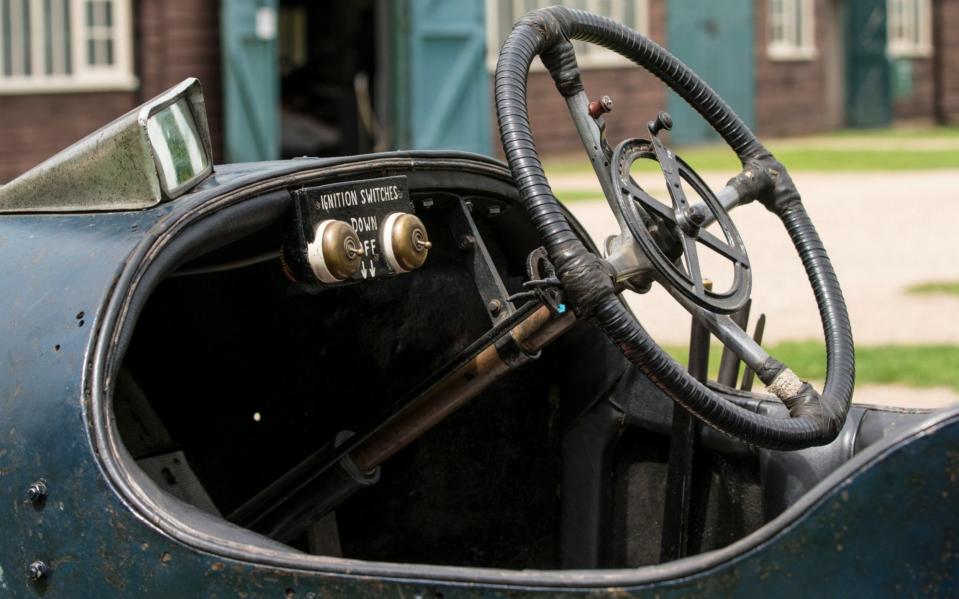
(358, 197)
(363, 205)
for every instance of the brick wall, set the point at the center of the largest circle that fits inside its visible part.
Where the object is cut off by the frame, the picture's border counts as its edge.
(789, 94)
(173, 39)
(950, 58)
(552, 126)
(919, 103)
(179, 39)
(34, 127)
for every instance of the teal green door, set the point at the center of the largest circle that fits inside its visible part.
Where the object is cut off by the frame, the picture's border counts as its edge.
(251, 85)
(868, 84)
(716, 40)
(441, 85)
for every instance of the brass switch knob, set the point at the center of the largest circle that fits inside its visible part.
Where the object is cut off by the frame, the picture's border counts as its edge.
(335, 251)
(404, 241)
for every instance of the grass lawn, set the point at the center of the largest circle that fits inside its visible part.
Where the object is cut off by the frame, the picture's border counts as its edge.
(947, 132)
(934, 288)
(817, 153)
(910, 365)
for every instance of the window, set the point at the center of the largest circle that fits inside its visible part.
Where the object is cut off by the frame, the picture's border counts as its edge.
(792, 32)
(908, 26)
(65, 45)
(501, 14)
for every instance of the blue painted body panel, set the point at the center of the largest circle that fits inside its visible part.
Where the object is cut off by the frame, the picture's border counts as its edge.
(886, 522)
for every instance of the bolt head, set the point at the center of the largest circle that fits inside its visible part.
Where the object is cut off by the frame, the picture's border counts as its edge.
(607, 103)
(696, 217)
(467, 242)
(494, 306)
(37, 491)
(38, 570)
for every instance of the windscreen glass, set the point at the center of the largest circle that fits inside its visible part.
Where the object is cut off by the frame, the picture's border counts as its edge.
(177, 145)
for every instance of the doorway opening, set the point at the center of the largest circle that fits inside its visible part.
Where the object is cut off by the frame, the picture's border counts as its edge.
(331, 74)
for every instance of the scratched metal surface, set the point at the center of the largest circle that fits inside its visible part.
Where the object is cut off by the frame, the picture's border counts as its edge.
(887, 525)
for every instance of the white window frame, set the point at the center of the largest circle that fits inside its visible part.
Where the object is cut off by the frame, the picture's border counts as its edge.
(798, 24)
(83, 76)
(909, 28)
(588, 56)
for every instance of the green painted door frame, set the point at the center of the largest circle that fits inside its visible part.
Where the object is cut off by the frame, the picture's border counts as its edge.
(251, 81)
(440, 85)
(716, 40)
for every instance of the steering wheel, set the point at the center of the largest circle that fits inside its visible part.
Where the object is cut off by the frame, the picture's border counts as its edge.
(662, 243)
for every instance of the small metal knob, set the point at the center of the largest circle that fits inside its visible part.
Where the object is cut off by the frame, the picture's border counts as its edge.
(335, 252)
(598, 108)
(663, 121)
(404, 241)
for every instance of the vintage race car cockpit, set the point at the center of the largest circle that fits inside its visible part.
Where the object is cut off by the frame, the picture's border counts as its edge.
(414, 372)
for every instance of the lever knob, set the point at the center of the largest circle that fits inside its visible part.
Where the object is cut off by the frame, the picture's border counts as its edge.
(598, 108)
(663, 121)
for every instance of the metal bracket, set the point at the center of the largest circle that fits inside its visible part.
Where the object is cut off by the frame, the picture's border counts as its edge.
(479, 263)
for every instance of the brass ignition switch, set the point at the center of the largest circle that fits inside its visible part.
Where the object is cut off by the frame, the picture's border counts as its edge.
(404, 241)
(335, 251)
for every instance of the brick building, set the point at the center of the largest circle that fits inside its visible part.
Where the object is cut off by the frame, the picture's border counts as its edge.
(804, 70)
(95, 68)
(352, 77)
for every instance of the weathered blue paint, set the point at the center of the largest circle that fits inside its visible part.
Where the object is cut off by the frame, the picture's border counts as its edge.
(884, 522)
(716, 40)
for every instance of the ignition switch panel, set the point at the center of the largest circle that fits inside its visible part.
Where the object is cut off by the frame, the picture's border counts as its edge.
(354, 231)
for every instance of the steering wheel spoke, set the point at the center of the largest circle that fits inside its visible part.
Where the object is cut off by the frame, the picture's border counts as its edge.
(722, 248)
(729, 334)
(651, 204)
(691, 258)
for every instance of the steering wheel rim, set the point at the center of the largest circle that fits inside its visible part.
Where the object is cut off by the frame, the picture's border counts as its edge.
(814, 419)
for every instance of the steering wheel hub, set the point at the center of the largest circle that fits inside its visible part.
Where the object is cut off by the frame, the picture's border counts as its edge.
(646, 216)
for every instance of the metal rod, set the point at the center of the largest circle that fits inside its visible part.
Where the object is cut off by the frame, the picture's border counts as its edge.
(729, 363)
(682, 446)
(465, 383)
(725, 330)
(749, 373)
(279, 493)
(728, 197)
(592, 139)
(323, 493)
